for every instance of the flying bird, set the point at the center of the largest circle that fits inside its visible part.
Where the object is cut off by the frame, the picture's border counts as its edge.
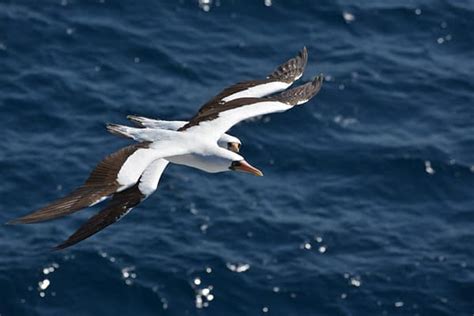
(130, 175)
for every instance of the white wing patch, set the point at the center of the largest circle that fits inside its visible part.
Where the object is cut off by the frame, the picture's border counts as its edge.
(134, 167)
(214, 128)
(151, 176)
(258, 91)
(136, 164)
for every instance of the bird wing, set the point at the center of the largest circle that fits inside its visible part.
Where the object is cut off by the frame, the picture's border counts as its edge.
(280, 79)
(120, 204)
(115, 173)
(101, 183)
(212, 124)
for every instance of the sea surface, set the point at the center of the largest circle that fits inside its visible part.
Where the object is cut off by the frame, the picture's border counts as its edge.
(367, 203)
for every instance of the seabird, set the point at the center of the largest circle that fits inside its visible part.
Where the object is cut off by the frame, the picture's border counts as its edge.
(131, 174)
(102, 183)
(278, 80)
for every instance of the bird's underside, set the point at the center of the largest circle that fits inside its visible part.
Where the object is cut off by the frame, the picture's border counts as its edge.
(128, 176)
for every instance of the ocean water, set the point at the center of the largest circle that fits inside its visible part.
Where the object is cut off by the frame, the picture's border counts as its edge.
(366, 206)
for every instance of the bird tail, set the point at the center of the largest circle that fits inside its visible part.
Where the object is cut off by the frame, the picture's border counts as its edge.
(141, 134)
(142, 121)
(121, 130)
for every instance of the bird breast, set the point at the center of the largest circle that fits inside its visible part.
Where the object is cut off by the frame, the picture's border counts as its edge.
(199, 161)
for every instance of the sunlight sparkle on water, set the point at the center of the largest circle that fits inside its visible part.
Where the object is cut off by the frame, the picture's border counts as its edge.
(399, 304)
(355, 281)
(238, 267)
(428, 168)
(205, 5)
(43, 285)
(50, 269)
(348, 17)
(203, 295)
(128, 275)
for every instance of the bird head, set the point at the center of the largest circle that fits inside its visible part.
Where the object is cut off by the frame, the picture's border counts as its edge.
(219, 159)
(233, 146)
(229, 142)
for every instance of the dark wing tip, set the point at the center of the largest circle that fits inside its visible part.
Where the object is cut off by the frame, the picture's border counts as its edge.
(42, 215)
(61, 246)
(120, 204)
(26, 220)
(291, 70)
(304, 55)
(318, 82)
(301, 94)
(65, 244)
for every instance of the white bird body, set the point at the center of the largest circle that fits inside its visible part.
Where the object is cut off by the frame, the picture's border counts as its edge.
(211, 159)
(206, 157)
(181, 148)
(184, 148)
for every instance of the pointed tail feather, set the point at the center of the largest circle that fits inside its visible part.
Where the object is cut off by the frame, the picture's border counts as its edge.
(137, 120)
(120, 130)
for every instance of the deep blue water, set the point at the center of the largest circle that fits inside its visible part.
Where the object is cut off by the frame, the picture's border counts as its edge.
(366, 207)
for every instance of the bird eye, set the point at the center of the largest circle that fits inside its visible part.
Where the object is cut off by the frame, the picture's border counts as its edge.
(233, 146)
(234, 164)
